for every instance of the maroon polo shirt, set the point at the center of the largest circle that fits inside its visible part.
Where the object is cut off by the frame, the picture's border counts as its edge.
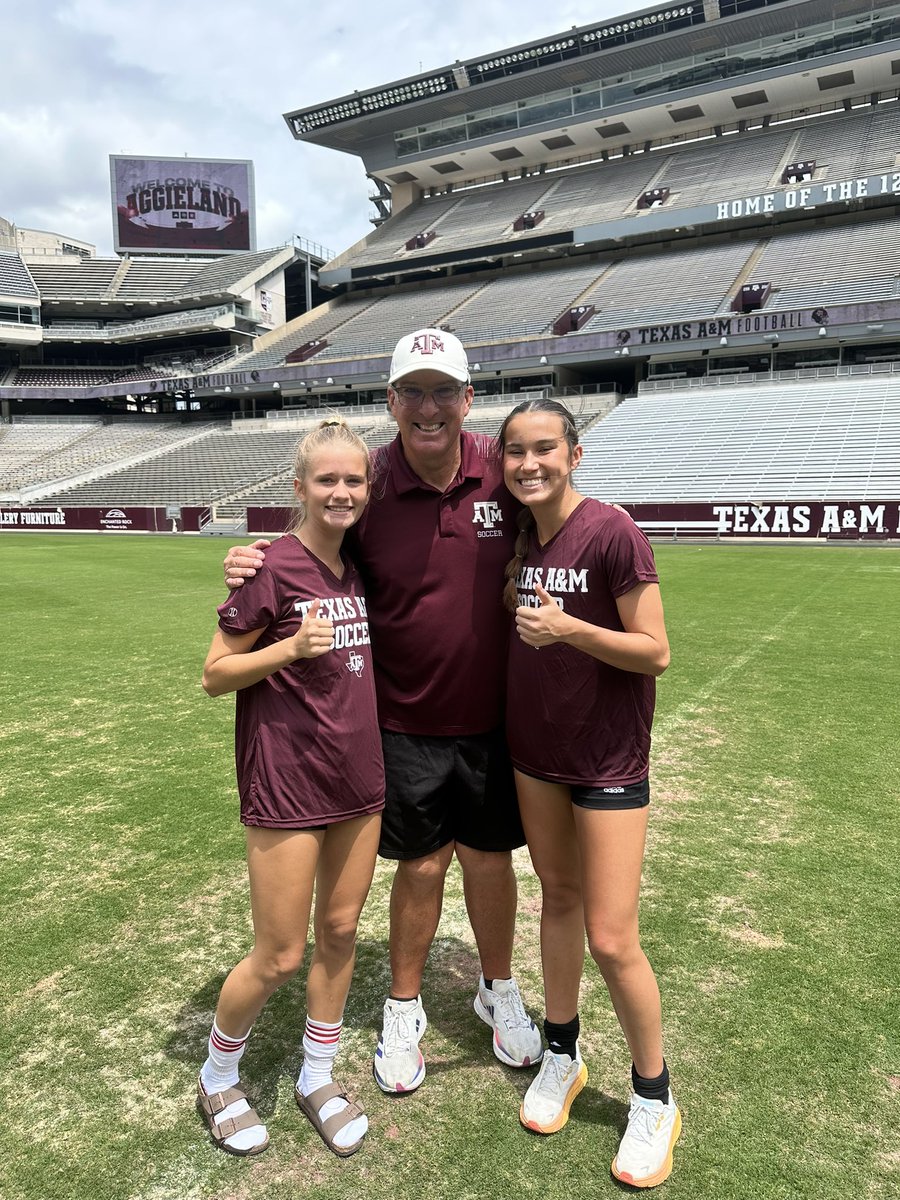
(433, 566)
(307, 746)
(571, 718)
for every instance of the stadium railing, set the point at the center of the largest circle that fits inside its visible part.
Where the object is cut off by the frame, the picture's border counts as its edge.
(731, 378)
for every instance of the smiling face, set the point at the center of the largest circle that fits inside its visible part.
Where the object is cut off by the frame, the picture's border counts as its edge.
(334, 489)
(538, 461)
(429, 431)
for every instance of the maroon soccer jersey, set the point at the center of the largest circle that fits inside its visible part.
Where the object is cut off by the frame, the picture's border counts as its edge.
(571, 718)
(433, 566)
(307, 746)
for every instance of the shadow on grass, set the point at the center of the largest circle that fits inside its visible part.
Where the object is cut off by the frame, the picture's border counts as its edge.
(459, 1037)
(594, 1107)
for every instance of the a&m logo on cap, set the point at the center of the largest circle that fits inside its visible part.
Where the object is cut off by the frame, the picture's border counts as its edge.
(426, 343)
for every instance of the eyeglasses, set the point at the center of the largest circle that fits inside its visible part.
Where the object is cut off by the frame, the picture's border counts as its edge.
(444, 396)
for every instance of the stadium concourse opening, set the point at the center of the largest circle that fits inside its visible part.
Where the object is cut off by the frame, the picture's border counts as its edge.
(687, 210)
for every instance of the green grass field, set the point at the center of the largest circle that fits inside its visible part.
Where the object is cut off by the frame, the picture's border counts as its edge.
(770, 904)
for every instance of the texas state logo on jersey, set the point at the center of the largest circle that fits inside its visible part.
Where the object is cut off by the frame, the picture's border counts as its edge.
(489, 515)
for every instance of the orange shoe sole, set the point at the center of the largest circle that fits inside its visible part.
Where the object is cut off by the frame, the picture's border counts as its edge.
(555, 1126)
(664, 1171)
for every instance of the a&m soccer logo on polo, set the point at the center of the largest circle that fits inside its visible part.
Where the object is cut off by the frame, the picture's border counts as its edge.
(489, 515)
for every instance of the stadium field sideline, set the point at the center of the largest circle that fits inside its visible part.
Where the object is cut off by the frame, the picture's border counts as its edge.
(769, 910)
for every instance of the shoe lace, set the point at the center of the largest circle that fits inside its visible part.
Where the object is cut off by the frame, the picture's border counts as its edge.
(551, 1077)
(398, 1031)
(509, 1007)
(643, 1122)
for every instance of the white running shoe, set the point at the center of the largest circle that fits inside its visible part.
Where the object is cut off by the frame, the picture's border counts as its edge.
(644, 1158)
(398, 1064)
(517, 1042)
(545, 1108)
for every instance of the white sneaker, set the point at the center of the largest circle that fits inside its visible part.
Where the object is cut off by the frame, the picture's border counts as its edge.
(517, 1042)
(644, 1158)
(545, 1108)
(398, 1064)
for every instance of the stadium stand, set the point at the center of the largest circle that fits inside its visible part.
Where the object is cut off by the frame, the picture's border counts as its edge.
(844, 147)
(42, 377)
(844, 265)
(149, 279)
(791, 441)
(685, 219)
(581, 196)
(14, 277)
(34, 455)
(213, 464)
(76, 278)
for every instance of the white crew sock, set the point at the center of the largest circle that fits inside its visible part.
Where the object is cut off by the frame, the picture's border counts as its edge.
(218, 1074)
(320, 1046)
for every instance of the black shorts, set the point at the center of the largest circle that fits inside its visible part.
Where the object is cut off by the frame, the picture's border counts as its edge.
(632, 795)
(448, 789)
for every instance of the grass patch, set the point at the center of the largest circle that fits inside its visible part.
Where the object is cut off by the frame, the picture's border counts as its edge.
(769, 906)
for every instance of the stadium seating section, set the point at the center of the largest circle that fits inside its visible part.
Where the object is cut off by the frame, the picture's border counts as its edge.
(791, 438)
(791, 441)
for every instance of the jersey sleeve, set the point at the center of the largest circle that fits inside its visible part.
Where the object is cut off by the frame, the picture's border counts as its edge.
(626, 554)
(253, 606)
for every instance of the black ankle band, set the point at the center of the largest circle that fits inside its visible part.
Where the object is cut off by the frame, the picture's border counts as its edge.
(563, 1038)
(651, 1089)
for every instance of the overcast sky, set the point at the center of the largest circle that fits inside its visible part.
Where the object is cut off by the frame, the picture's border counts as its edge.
(83, 79)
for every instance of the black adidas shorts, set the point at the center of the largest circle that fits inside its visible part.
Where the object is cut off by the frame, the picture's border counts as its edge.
(632, 795)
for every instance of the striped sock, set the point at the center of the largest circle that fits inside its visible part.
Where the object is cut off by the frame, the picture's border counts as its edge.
(320, 1046)
(220, 1071)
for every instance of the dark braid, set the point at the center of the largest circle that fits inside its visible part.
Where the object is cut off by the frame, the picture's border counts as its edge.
(525, 522)
(525, 519)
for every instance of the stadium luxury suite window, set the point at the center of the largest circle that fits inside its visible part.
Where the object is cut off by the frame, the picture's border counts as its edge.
(817, 41)
(18, 314)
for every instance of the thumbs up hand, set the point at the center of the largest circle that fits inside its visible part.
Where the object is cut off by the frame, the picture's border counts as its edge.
(315, 635)
(541, 626)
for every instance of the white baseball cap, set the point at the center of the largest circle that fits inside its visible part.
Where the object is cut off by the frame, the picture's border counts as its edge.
(430, 349)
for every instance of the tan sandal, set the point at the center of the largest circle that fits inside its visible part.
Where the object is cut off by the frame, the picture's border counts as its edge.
(327, 1129)
(212, 1103)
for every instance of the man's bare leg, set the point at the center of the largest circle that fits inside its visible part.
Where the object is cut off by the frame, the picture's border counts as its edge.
(417, 896)
(490, 889)
(489, 885)
(416, 899)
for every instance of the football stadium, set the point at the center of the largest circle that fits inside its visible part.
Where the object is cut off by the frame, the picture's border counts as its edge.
(678, 223)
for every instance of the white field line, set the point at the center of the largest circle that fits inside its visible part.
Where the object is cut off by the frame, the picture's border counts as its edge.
(663, 728)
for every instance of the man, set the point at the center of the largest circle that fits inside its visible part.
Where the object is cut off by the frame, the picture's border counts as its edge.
(432, 547)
